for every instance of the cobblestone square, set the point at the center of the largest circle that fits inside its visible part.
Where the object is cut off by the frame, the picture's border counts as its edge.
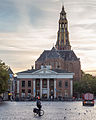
(53, 111)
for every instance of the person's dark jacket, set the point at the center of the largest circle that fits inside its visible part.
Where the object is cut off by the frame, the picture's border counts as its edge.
(39, 104)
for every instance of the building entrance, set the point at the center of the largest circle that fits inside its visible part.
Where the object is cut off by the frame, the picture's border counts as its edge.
(44, 93)
(44, 96)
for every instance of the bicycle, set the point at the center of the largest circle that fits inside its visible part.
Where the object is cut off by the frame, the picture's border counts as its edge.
(38, 112)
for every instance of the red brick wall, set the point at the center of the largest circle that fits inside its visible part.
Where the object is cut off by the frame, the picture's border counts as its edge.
(26, 86)
(70, 66)
(62, 89)
(53, 62)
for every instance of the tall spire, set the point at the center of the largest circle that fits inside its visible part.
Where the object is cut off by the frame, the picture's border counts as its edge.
(62, 1)
(63, 34)
(62, 7)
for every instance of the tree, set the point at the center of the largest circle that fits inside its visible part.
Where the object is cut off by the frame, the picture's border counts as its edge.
(4, 76)
(86, 84)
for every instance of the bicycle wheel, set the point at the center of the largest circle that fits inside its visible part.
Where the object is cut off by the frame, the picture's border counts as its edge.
(35, 110)
(41, 112)
(35, 114)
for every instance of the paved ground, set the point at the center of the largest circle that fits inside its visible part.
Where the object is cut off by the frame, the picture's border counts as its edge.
(53, 111)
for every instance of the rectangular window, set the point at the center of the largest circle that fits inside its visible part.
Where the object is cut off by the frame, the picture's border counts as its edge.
(60, 84)
(38, 83)
(23, 91)
(29, 83)
(66, 93)
(23, 83)
(66, 84)
(29, 90)
(51, 83)
(45, 83)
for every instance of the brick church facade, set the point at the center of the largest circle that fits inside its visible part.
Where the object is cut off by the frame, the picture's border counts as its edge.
(61, 56)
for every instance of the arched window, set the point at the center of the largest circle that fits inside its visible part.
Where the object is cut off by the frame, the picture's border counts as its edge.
(57, 65)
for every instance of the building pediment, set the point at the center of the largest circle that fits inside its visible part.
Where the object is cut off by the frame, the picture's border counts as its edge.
(44, 71)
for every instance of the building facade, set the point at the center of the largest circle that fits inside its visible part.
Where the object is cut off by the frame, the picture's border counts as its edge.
(61, 56)
(45, 82)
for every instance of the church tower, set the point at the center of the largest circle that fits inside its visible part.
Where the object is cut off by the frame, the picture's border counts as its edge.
(61, 56)
(63, 34)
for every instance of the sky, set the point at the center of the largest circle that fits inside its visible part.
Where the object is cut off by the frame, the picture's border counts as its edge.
(28, 27)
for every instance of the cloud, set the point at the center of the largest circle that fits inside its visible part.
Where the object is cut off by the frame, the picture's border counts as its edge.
(27, 27)
(19, 59)
(91, 71)
(9, 17)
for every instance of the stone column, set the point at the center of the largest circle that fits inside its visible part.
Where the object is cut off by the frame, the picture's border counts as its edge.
(54, 88)
(34, 90)
(40, 88)
(47, 88)
(18, 88)
(71, 88)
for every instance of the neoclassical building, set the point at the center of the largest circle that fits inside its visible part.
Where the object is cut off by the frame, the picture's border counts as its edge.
(45, 83)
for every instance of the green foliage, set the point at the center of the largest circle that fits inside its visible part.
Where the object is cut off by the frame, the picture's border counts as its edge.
(86, 84)
(4, 76)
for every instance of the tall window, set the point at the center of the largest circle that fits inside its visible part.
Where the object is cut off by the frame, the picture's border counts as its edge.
(66, 93)
(66, 84)
(60, 83)
(23, 83)
(45, 83)
(29, 83)
(51, 83)
(38, 83)
(57, 65)
(23, 91)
